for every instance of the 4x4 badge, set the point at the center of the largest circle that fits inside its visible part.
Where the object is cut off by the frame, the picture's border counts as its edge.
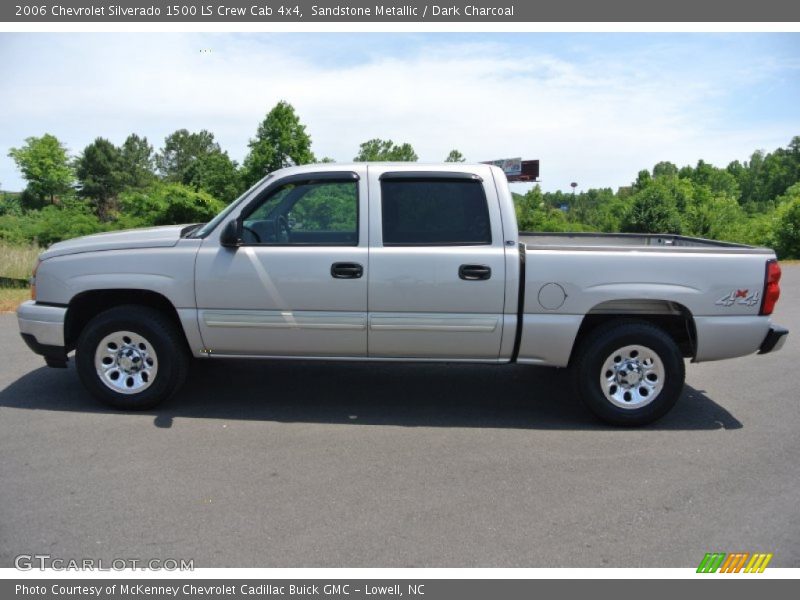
(743, 297)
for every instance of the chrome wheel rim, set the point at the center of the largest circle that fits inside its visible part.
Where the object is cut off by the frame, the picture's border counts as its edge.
(126, 362)
(632, 377)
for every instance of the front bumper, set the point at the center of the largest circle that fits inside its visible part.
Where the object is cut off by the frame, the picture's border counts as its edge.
(42, 328)
(774, 340)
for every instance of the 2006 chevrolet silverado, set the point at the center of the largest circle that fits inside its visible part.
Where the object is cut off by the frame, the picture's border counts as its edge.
(402, 262)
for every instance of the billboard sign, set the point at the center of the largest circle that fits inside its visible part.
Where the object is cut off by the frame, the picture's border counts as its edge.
(510, 166)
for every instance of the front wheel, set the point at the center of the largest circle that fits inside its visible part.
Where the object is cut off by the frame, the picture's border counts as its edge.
(131, 357)
(629, 372)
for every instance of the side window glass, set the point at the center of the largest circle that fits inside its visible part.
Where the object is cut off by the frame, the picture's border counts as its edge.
(434, 212)
(314, 213)
(329, 207)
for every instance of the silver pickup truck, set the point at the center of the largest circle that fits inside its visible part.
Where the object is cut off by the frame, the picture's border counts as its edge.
(398, 262)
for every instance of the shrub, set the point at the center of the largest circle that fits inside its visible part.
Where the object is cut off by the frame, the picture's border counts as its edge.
(787, 229)
(49, 225)
(168, 204)
(653, 211)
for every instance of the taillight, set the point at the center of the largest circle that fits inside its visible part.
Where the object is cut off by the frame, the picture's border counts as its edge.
(772, 288)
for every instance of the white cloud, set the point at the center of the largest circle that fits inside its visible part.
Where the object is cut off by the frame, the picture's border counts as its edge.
(595, 119)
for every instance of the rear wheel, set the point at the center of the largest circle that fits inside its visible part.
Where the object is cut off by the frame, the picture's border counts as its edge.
(131, 357)
(629, 372)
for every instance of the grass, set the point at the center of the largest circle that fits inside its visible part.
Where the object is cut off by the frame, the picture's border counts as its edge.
(11, 298)
(16, 264)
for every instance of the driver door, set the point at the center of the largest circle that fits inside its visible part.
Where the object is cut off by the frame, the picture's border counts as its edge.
(297, 286)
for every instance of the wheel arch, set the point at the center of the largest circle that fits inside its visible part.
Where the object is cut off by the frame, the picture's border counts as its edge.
(85, 305)
(674, 318)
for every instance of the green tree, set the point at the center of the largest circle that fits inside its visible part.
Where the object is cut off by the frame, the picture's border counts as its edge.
(665, 169)
(181, 149)
(653, 210)
(787, 224)
(216, 174)
(45, 166)
(643, 179)
(781, 170)
(137, 162)
(598, 209)
(718, 181)
(534, 213)
(100, 176)
(714, 217)
(10, 204)
(385, 150)
(281, 141)
(331, 207)
(766, 176)
(528, 207)
(787, 230)
(455, 157)
(757, 230)
(557, 199)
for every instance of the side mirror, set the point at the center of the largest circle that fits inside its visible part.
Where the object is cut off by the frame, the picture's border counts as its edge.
(230, 237)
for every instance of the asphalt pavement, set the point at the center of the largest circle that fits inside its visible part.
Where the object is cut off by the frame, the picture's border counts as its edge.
(303, 464)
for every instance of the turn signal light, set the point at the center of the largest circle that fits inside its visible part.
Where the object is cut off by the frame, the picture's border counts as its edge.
(33, 280)
(772, 288)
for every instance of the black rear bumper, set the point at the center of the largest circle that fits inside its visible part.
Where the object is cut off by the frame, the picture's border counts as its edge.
(774, 340)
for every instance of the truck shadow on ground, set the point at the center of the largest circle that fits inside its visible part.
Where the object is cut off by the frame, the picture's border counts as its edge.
(407, 395)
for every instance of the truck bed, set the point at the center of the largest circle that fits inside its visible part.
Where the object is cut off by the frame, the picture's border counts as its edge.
(631, 241)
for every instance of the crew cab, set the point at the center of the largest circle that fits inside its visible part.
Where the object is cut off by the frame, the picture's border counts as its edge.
(398, 262)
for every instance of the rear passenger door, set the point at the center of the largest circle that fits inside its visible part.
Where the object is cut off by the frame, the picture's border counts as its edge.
(437, 264)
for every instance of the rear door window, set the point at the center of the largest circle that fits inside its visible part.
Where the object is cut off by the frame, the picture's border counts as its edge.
(434, 212)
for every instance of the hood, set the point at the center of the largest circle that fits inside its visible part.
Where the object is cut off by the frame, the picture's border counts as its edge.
(152, 237)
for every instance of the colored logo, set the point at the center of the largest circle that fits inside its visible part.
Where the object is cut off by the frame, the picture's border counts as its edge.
(737, 562)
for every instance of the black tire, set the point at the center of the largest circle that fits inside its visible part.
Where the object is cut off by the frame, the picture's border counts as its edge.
(598, 347)
(168, 347)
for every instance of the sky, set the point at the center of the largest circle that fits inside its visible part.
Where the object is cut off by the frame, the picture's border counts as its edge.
(593, 108)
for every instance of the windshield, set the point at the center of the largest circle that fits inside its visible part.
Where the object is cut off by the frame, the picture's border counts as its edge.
(209, 227)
